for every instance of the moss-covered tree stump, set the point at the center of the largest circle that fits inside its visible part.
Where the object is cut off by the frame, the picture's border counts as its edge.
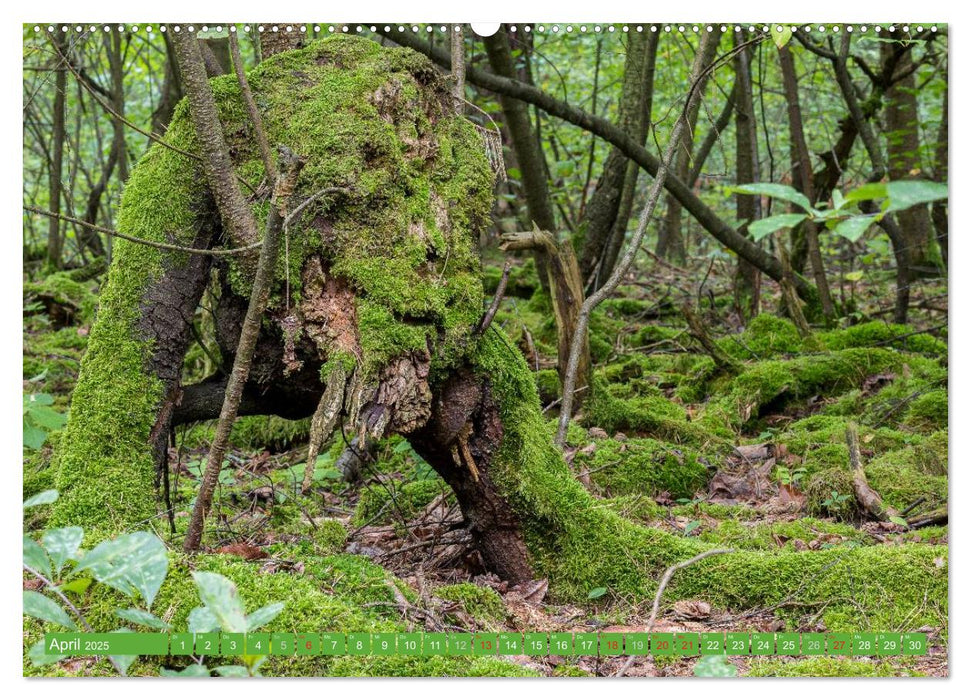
(379, 289)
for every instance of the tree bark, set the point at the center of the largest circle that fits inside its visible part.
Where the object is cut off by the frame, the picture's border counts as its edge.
(747, 280)
(904, 163)
(605, 210)
(525, 145)
(670, 240)
(804, 168)
(939, 209)
(54, 240)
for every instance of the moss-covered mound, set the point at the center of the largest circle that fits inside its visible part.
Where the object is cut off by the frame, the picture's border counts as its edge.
(402, 234)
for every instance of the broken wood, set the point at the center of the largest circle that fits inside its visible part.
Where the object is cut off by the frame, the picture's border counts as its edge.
(869, 500)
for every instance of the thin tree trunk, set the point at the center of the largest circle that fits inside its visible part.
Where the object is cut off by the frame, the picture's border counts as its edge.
(747, 278)
(458, 67)
(54, 240)
(605, 209)
(670, 241)
(171, 90)
(939, 209)
(529, 155)
(641, 128)
(798, 140)
(118, 99)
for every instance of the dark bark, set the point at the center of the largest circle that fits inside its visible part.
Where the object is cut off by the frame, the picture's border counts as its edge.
(939, 209)
(274, 42)
(460, 441)
(703, 214)
(904, 162)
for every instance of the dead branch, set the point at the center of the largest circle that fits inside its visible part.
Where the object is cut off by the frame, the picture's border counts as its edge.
(869, 500)
(665, 580)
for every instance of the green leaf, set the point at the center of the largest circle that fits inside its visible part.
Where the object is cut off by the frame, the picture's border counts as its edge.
(31, 401)
(78, 586)
(39, 657)
(838, 200)
(715, 667)
(263, 616)
(776, 191)
(34, 438)
(904, 194)
(232, 671)
(854, 276)
(597, 593)
(132, 562)
(47, 418)
(62, 544)
(853, 227)
(36, 558)
(192, 671)
(142, 617)
(781, 34)
(763, 227)
(41, 607)
(221, 597)
(202, 620)
(692, 526)
(42, 498)
(896, 519)
(873, 190)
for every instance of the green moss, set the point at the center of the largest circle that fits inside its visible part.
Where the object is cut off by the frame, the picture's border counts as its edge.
(826, 667)
(268, 432)
(330, 536)
(919, 471)
(650, 414)
(765, 336)
(643, 466)
(113, 406)
(928, 412)
(548, 385)
(580, 543)
(481, 603)
(829, 492)
(876, 333)
(773, 384)
(372, 119)
(778, 535)
(75, 299)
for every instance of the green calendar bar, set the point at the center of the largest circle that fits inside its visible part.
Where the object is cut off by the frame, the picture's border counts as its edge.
(113, 643)
(683, 644)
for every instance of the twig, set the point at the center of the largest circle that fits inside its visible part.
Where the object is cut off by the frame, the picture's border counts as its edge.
(254, 113)
(486, 320)
(665, 579)
(141, 241)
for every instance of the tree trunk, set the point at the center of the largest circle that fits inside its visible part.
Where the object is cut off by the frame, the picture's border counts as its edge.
(805, 179)
(54, 240)
(609, 207)
(529, 154)
(670, 240)
(904, 162)
(747, 278)
(939, 209)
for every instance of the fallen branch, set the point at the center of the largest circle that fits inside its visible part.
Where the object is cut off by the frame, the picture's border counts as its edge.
(490, 314)
(699, 332)
(665, 580)
(869, 500)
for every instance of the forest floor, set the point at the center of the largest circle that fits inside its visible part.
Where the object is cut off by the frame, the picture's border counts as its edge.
(756, 462)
